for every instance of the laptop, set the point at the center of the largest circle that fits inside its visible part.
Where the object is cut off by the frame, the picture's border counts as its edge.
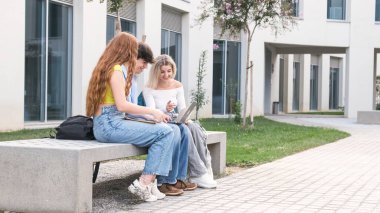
(179, 118)
(145, 118)
(184, 114)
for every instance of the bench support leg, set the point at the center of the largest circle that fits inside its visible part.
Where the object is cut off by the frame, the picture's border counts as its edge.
(42, 180)
(218, 157)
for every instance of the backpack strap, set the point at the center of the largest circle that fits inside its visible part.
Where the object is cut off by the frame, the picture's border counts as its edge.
(96, 171)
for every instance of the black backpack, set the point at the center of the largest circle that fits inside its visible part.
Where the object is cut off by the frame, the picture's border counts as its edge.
(77, 127)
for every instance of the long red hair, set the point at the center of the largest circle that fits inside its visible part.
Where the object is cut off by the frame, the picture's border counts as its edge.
(121, 49)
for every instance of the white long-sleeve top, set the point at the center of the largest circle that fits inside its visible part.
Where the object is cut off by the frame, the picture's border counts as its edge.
(158, 99)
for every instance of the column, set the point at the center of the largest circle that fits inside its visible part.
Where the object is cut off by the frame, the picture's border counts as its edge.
(89, 41)
(12, 64)
(288, 84)
(360, 59)
(323, 83)
(305, 83)
(359, 80)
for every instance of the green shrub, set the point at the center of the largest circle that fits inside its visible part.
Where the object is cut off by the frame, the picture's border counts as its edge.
(237, 110)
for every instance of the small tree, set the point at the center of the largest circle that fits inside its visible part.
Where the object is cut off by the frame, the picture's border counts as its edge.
(198, 95)
(235, 16)
(115, 6)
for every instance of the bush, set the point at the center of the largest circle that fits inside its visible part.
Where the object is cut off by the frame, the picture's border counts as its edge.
(237, 110)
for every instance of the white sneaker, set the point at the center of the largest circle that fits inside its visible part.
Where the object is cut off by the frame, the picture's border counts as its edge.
(144, 193)
(155, 191)
(204, 181)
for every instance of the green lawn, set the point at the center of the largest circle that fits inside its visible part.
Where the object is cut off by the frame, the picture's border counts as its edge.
(269, 140)
(24, 134)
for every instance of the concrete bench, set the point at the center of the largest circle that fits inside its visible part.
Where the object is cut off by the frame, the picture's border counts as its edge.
(48, 175)
(369, 117)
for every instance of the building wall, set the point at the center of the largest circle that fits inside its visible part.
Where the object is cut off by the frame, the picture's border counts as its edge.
(89, 41)
(314, 29)
(195, 39)
(12, 57)
(357, 34)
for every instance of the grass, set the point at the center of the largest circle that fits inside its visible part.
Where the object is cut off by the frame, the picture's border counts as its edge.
(24, 134)
(269, 140)
(320, 113)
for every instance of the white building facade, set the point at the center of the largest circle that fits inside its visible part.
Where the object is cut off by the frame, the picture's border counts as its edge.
(327, 62)
(49, 49)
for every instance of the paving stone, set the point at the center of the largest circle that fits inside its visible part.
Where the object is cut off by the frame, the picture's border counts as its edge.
(338, 177)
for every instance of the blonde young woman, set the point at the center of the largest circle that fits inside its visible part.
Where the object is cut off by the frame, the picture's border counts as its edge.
(106, 103)
(163, 92)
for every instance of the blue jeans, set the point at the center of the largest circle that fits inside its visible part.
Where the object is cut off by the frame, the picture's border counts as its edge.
(180, 156)
(111, 127)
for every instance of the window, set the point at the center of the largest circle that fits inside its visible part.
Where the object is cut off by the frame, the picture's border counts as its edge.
(171, 44)
(226, 76)
(336, 9)
(48, 60)
(377, 11)
(127, 14)
(296, 86)
(314, 87)
(334, 88)
(171, 36)
(126, 26)
(296, 8)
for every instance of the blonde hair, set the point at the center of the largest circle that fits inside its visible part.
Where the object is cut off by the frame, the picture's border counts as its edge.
(155, 71)
(121, 49)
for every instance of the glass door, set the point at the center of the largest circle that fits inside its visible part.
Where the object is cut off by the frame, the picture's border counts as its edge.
(48, 60)
(226, 76)
(314, 87)
(218, 78)
(281, 86)
(59, 61)
(35, 60)
(334, 88)
(296, 86)
(232, 76)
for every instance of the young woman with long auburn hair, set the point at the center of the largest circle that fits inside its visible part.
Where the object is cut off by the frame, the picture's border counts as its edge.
(106, 103)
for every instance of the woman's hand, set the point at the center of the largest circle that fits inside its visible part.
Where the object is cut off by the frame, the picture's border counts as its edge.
(170, 106)
(160, 116)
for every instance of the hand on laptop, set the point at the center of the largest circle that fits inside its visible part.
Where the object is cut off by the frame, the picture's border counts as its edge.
(160, 116)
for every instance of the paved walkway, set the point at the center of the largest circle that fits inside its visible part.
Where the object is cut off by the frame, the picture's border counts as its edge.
(342, 176)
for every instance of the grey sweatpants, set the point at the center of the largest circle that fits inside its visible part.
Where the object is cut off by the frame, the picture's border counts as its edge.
(199, 155)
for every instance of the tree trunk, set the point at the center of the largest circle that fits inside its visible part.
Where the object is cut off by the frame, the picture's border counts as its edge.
(246, 81)
(118, 23)
(251, 90)
(246, 90)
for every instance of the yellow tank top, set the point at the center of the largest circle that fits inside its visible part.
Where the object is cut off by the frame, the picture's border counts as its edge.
(108, 98)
